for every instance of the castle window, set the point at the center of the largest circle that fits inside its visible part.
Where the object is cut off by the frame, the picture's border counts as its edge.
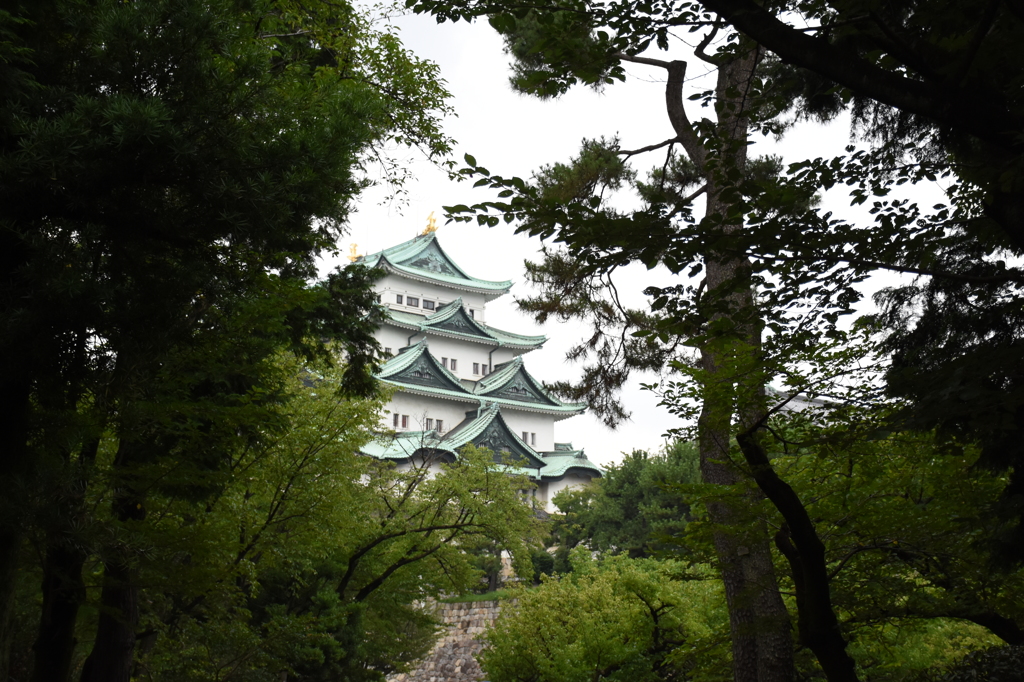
(405, 421)
(526, 437)
(387, 352)
(472, 313)
(533, 439)
(395, 419)
(476, 368)
(440, 426)
(398, 299)
(429, 426)
(444, 362)
(412, 302)
(428, 305)
(454, 364)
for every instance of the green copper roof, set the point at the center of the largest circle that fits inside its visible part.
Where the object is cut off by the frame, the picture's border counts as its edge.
(423, 258)
(485, 428)
(453, 321)
(415, 370)
(415, 367)
(402, 446)
(511, 381)
(558, 464)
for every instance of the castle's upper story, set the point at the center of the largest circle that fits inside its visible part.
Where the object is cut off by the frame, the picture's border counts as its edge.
(420, 268)
(428, 295)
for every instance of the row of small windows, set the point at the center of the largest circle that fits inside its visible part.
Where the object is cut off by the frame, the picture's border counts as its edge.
(414, 302)
(426, 304)
(453, 364)
(401, 421)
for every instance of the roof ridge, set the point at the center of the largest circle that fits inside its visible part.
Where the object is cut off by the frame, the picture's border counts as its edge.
(494, 336)
(397, 247)
(512, 334)
(498, 375)
(440, 266)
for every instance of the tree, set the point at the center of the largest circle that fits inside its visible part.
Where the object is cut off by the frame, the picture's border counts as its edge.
(635, 508)
(908, 522)
(620, 619)
(562, 44)
(953, 338)
(303, 557)
(170, 170)
(940, 84)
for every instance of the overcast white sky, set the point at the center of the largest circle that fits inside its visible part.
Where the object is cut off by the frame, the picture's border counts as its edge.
(513, 135)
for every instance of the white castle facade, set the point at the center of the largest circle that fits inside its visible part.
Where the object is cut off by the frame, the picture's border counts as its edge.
(460, 381)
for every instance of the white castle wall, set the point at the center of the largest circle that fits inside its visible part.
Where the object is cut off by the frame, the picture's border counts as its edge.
(394, 338)
(465, 352)
(531, 422)
(391, 284)
(420, 407)
(552, 488)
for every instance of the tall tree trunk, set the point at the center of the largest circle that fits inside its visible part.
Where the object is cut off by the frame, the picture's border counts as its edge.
(759, 620)
(15, 473)
(713, 441)
(113, 651)
(63, 587)
(111, 656)
(63, 593)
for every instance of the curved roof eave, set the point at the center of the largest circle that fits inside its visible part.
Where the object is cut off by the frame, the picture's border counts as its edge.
(467, 398)
(573, 469)
(498, 288)
(526, 345)
(475, 399)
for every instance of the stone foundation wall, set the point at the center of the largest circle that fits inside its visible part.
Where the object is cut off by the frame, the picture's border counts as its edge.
(453, 657)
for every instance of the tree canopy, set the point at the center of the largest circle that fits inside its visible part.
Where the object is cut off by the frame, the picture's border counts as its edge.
(169, 173)
(778, 274)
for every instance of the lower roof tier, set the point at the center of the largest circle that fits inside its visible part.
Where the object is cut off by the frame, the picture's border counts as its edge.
(485, 428)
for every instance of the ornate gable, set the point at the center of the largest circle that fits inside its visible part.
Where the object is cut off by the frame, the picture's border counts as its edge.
(458, 321)
(521, 389)
(505, 445)
(433, 259)
(422, 370)
(425, 371)
(518, 385)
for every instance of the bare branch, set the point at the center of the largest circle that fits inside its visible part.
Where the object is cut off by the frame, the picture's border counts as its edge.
(702, 46)
(649, 148)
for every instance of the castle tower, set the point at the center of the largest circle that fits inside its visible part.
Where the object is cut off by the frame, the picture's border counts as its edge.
(457, 379)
